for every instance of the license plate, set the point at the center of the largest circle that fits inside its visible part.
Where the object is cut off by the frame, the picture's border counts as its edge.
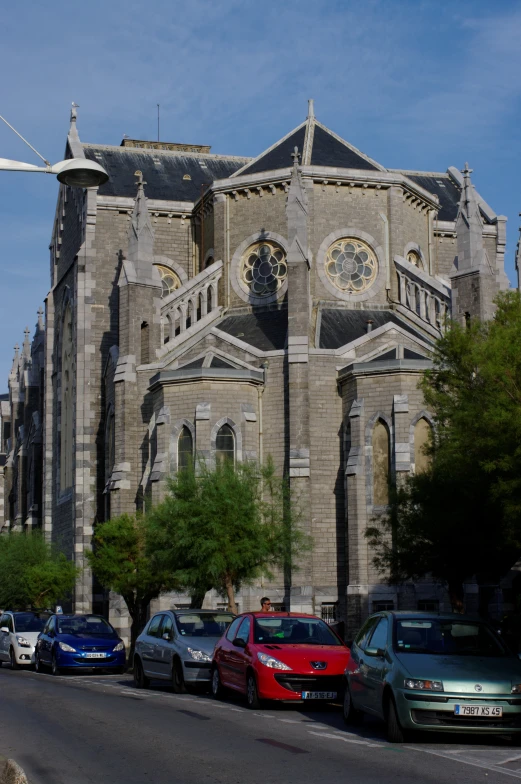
(319, 695)
(94, 655)
(478, 710)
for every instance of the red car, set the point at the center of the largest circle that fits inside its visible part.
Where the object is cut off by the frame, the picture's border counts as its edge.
(290, 657)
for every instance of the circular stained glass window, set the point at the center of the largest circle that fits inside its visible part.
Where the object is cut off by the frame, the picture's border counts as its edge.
(413, 257)
(351, 265)
(264, 268)
(169, 280)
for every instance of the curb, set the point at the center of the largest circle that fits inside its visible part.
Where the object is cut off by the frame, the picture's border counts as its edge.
(11, 773)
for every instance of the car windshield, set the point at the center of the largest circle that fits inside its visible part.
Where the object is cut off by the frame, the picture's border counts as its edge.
(442, 636)
(86, 624)
(293, 631)
(28, 622)
(203, 624)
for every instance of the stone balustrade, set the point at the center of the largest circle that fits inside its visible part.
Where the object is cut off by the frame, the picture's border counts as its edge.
(420, 293)
(190, 303)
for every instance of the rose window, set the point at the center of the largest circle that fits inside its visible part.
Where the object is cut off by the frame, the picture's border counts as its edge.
(351, 265)
(169, 280)
(264, 268)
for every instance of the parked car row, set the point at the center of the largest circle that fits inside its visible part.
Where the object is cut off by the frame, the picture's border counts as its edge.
(414, 671)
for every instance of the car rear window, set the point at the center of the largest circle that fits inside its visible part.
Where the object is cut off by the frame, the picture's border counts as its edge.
(203, 624)
(293, 631)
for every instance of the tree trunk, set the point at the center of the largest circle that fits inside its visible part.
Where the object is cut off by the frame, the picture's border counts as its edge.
(139, 619)
(232, 607)
(457, 596)
(197, 599)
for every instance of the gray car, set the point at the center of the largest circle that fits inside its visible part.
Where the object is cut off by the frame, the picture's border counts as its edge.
(177, 645)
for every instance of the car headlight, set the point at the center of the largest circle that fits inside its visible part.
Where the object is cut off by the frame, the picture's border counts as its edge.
(271, 662)
(66, 648)
(22, 642)
(516, 688)
(411, 683)
(199, 655)
(119, 647)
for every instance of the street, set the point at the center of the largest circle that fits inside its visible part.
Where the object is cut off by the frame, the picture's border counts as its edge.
(96, 728)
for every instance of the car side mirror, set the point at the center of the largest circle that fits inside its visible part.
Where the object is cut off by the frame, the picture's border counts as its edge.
(4, 629)
(167, 636)
(239, 642)
(375, 652)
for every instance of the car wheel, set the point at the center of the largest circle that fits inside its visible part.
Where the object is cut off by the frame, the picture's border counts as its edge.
(12, 659)
(178, 680)
(54, 665)
(252, 695)
(216, 686)
(395, 731)
(351, 715)
(140, 679)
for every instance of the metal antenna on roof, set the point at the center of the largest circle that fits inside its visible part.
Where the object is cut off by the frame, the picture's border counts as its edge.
(157, 122)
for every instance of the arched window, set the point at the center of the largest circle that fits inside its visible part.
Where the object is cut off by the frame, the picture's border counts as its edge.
(185, 449)
(225, 444)
(66, 401)
(422, 437)
(381, 464)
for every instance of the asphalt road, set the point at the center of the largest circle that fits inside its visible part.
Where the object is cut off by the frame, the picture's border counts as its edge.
(95, 728)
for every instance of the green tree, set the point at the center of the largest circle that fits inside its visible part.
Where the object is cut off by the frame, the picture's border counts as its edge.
(33, 573)
(462, 518)
(123, 563)
(224, 527)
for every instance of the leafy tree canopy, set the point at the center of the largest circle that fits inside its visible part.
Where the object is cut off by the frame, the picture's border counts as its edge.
(32, 573)
(220, 528)
(122, 563)
(462, 517)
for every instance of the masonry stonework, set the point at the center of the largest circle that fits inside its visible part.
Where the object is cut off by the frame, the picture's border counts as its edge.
(302, 353)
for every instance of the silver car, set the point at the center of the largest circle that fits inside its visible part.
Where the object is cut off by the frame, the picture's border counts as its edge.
(177, 645)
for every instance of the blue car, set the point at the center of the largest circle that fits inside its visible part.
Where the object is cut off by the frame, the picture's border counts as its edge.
(72, 641)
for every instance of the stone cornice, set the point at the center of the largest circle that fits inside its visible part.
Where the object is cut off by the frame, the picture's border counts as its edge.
(191, 375)
(394, 366)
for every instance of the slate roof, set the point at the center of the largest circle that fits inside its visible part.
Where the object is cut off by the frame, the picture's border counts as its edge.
(339, 327)
(442, 186)
(164, 180)
(327, 150)
(317, 145)
(265, 330)
(279, 156)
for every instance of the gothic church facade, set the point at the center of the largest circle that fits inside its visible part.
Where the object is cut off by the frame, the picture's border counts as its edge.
(204, 306)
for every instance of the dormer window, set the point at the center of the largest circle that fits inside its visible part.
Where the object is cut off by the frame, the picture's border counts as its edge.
(169, 280)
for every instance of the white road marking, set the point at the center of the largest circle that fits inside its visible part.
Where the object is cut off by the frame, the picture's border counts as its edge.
(346, 740)
(482, 765)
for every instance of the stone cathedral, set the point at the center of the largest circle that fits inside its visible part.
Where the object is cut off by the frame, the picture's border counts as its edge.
(204, 305)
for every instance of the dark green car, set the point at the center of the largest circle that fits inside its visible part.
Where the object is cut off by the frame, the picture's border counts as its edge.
(426, 671)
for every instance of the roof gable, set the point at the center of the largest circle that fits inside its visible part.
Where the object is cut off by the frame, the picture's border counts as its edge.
(328, 149)
(279, 155)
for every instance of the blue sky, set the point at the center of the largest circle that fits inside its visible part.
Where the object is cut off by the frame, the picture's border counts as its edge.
(415, 84)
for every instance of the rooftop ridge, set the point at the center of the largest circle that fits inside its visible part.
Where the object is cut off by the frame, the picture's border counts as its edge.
(422, 173)
(272, 147)
(154, 152)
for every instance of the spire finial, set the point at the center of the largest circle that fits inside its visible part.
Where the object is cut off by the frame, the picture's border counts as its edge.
(39, 324)
(140, 180)
(466, 171)
(26, 349)
(74, 113)
(311, 108)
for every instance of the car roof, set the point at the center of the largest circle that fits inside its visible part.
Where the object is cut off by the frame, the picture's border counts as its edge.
(260, 614)
(429, 615)
(186, 611)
